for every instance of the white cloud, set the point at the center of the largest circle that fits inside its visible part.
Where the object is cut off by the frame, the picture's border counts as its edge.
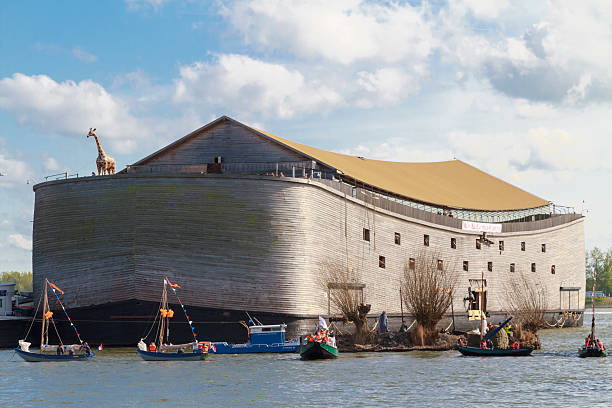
(385, 86)
(484, 9)
(343, 31)
(240, 83)
(19, 241)
(70, 108)
(13, 171)
(534, 110)
(566, 52)
(51, 164)
(83, 55)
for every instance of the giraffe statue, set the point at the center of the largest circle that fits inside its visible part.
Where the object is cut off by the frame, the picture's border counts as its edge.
(105, 163)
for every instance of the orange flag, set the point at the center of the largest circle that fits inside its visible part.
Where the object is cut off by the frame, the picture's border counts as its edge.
(174, 285)
(55, 287)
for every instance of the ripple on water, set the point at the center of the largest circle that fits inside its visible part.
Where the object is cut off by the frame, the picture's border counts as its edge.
(554, 376)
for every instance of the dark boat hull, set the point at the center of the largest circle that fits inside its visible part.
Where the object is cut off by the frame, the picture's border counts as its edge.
(317, 351)
(590, 352)
(475, 351)
(41, 357)
(189, 356)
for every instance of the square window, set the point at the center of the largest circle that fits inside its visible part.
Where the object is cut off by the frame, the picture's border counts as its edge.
(511, 267)
(381, 262)
(552, 269)
(490, 266)
(523, 246)
(426, 240)
(440, 264)
(398, 238)
(366, 234)
(501, 245)
(478, 246)
(533, 267)
(454, 243)
(465, 265)
(411, 264)
(543, 247)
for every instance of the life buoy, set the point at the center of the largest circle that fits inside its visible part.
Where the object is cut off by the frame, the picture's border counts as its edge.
(515, 345)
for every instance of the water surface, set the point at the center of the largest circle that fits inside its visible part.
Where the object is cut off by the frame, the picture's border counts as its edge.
(554, 376)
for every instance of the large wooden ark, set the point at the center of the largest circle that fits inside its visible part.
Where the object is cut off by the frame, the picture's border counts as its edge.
(243, 220)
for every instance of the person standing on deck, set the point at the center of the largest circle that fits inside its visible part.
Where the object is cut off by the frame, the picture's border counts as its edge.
(383, 322)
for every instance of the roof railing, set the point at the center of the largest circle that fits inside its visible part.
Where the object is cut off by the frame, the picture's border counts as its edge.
(448, 216)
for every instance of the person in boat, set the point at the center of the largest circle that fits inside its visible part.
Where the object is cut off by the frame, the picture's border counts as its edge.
(587, 342)
(152, 347)
(489, 344)
(600, 345)
(180, 351)
(60, 350)
(71, 351)
(86, 348)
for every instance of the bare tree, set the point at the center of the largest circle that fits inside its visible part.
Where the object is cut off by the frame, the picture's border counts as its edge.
(345, 291)
(527, 303)
(427, 288)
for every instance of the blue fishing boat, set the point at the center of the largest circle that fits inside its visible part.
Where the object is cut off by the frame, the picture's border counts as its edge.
(53, 353)
(262, 339)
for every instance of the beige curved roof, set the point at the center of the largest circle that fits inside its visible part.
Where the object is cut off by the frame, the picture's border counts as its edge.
(449, 183)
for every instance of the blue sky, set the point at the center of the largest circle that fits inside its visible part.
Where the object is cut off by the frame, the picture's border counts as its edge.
(520, 91)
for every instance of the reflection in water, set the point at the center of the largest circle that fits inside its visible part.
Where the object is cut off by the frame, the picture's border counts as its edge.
(554, 376)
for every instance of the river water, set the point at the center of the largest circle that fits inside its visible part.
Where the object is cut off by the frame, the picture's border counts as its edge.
(553, 376)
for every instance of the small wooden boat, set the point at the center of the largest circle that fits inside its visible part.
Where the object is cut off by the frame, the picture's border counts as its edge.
(591, 352)
(53, 353)
(316, 350)
(320, 346)
(165, 351)
(476, 351)
(593, 347)
(41, 357)
(165, 356)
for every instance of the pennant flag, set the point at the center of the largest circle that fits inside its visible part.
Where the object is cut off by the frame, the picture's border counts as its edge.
(100, 347)
(174, 285)
(55, 287)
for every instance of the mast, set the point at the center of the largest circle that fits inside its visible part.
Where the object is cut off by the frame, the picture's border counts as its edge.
(480, 303)
(44, 312)
(163, 318)
(593, 303)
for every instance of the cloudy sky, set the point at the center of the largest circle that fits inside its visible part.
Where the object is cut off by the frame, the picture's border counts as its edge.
(519, 90)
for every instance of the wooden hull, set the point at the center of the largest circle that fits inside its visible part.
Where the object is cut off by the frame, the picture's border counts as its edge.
(156, 356)
(317, 351)
(41, 357)
(475, 351)
(590, 352)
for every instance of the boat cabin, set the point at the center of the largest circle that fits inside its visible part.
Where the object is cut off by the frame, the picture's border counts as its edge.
(7, 290)
(270, 334)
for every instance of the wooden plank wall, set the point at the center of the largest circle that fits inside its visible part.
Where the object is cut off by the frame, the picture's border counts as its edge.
(255, 243)
(232, 142)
